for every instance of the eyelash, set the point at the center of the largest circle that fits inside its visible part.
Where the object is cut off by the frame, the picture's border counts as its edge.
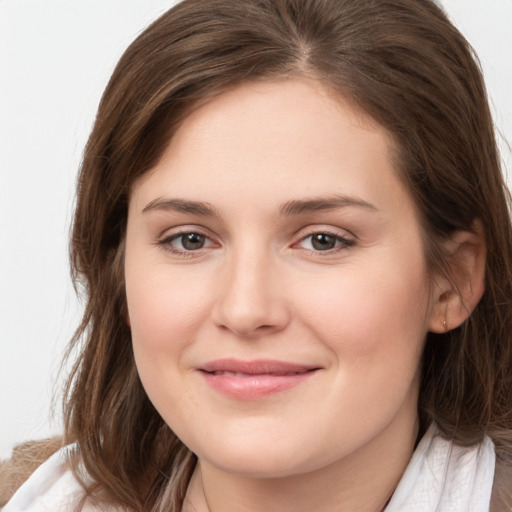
(166, 243)
(341, 241)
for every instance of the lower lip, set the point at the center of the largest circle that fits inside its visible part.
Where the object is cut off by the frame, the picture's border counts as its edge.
(252, 387)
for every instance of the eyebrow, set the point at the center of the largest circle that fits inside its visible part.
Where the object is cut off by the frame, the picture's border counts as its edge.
(293, 207)
(297, 207)
(181, 205)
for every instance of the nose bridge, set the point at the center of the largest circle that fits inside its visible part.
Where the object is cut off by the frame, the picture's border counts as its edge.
(250, 299)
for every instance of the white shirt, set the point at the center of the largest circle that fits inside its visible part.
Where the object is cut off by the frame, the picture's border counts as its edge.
(441, 477)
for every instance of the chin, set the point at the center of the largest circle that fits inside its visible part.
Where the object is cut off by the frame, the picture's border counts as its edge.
(264, 456)
(259, 465)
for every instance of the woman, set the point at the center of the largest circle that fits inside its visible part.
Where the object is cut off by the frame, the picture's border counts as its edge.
(294, 237)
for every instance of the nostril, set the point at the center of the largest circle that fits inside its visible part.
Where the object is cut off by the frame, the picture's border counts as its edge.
(249, 303)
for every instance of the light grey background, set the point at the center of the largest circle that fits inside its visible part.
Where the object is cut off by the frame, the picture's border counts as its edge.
(55, 59)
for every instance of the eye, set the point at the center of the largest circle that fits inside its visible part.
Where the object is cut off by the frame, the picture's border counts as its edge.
(191, 241)
(325, 241)
(183, 242)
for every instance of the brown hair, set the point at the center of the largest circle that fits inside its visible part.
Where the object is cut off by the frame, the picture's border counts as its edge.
(400, 61)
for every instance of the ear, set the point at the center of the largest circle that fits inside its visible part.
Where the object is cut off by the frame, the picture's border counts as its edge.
(456, 296)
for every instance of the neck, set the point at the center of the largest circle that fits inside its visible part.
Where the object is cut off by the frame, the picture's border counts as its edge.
(363, 481)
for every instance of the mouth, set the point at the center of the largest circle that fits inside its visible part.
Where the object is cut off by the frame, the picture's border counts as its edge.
(250, 380)
(240, 374)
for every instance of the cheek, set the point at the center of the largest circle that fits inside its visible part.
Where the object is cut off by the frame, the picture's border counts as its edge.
(366, 315)
(164, 308)
(166, 311)
(374, 325)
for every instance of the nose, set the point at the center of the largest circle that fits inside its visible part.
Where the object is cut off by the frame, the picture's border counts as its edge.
(251, 301)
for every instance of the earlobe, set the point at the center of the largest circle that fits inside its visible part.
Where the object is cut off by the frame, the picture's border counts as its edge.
(456, 296)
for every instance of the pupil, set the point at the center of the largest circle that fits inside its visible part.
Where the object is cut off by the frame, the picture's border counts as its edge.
(193, 241)
(323, 242)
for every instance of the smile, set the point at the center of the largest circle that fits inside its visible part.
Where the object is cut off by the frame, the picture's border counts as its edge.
(251, 380)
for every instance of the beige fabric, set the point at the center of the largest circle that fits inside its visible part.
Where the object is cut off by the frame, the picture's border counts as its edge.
(26, 458)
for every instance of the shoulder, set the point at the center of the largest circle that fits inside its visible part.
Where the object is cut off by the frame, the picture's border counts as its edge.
(443, 475)
(52, 487)
(25, 459)
(501, 499)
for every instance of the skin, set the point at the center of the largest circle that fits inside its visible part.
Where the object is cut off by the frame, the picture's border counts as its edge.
(259, 289)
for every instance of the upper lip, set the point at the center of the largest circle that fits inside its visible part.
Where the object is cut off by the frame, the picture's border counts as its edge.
(256, 367)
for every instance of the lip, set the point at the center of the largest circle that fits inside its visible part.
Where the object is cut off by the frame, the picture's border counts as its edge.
(251, 380)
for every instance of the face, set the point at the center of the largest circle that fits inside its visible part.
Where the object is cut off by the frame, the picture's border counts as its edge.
(276, 283)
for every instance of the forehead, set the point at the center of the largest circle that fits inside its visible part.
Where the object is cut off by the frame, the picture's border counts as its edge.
(273, 140)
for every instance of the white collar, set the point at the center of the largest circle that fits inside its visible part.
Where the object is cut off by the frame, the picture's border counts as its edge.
(445, 477)
(441, 477)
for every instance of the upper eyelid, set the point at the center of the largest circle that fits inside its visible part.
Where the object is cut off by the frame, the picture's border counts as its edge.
(179, 234)
(343, 239)
(184, 229)
(300, 234)
(346, 238)
(175, 236)
(164, 242)
(306, 231)
(166, 237)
